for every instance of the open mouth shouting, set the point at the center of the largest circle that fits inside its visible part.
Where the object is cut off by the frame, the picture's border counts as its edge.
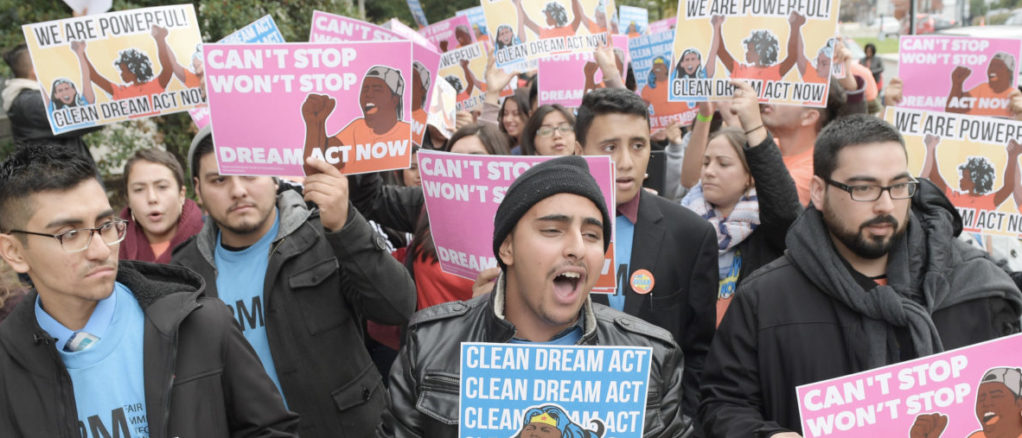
(990, 418)
(568, 285)
(369, 108)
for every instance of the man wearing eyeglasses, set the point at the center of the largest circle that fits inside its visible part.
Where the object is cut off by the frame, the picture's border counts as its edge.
(873, 275)
(101, 349)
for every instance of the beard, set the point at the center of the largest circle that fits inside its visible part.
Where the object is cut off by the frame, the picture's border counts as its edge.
(856, 240)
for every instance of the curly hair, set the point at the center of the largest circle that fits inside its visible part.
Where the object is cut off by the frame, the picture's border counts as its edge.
(981, 172)
(557, 12)
(765, 44)
(138, 63)
(455, 82)
(564, 424)
(57, 103)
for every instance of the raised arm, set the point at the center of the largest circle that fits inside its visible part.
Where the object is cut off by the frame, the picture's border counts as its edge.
(315, 110)
(795, 47)
(576, 10)
(524, 21)
(166, 56)
(692, 164)
(1010, 173)
(718, 42)
(470, 79)
(79, 48)
(87, 92)
(590, 23)
(958, 77)
(1017, 181)
(930, 169)
(607, 61)
(496, 80)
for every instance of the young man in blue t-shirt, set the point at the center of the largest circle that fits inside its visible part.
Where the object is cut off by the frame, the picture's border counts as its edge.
(100, 349)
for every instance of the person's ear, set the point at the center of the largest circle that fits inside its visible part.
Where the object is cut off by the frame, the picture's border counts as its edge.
(817, 187)
(810, 117)
(12, 251)
(198, 188)
(507, 251)
(578, 148)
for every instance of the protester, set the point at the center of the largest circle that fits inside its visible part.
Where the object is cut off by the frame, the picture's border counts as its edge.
(159, 215)
(410, 177)
(104, 344)
(511, 114)
(403, 209)
(24, 105)
(867, 281)
(550, 235)
(873, 63)
(549, 131)
(666, 254)
(300, 282)
(745, 193)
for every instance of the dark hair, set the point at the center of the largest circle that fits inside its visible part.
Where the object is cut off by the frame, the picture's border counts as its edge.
(521, 97)
(495, 141)
(528, 140)
(607, 101)
(19, 60)
(736, 139)
(846, 131)
(564, 424)
(869, 46)
(57, 103)
(137, 63)
(837, 99)
(533, 91)
(34, 168)
(679, 71)
(557, 11)
(765, 44)
(156, 156)
(202, 148)
(981, 172)
(455, 82)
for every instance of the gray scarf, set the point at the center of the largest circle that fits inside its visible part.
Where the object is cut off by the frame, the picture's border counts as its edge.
(918, 268)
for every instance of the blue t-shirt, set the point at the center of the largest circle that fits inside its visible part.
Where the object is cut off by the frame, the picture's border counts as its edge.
(239, 281)
(623, 255)
(108, 377)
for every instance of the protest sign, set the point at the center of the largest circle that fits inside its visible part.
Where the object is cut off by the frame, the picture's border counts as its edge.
(263, 30)
(465, 69)
(417, 13)
(783, 49)
(477, 19)
(962, 75)
(462, 194)
(102, 69)
(966, 392)
(425, 60)
(338, 28)
(973, 159)
(582, 390)
(449, 34)
(634, 21)
(403, 31)
(667, 24)
(443, 108)
(557, 84)
(651, 63)
(311, 88)
(532, 29)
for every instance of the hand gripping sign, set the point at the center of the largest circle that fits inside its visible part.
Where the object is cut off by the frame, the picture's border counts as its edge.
(345, 103)
(107, 68)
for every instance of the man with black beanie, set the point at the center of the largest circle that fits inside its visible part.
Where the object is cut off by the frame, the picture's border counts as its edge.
(550, 235)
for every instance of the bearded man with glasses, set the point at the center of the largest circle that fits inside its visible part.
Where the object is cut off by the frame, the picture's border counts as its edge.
(106, 349)
(873, 276)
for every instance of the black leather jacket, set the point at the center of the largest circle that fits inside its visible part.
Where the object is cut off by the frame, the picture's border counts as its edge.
(424, 380)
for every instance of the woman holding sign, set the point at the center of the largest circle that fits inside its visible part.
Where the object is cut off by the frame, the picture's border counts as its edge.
(550, 131)
(751, 221)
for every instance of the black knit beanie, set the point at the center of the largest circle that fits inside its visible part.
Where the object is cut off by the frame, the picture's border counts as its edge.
(568, 174)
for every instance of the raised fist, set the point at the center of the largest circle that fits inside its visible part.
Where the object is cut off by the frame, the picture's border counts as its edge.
(928, 426)
(317, 107)
(960, 74)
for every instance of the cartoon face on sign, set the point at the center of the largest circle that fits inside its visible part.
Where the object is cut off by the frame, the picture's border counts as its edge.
(998, 408)
(551, 421)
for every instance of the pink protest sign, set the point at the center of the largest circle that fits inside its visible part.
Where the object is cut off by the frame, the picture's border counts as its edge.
(662, 25)
(331, 27)
(408, 33)
(450, 34)
(465, 69)
(558, 85)
(273, 105)
(425, 65)
(462, 195)
(967, 392)
(963, 75)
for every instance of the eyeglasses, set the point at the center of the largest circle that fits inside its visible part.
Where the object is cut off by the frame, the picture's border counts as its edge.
(546, 131)
(78, 240)
(872, 192)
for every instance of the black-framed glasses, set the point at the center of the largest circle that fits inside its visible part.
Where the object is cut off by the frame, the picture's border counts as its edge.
(872, 192)
(546, 131)
(78, 240)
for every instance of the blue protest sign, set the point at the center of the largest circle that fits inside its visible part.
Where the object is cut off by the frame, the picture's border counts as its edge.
(644, 49)
(478, 20)
(417, 13)
(507, 389)
(263, 30)
(633, 20)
